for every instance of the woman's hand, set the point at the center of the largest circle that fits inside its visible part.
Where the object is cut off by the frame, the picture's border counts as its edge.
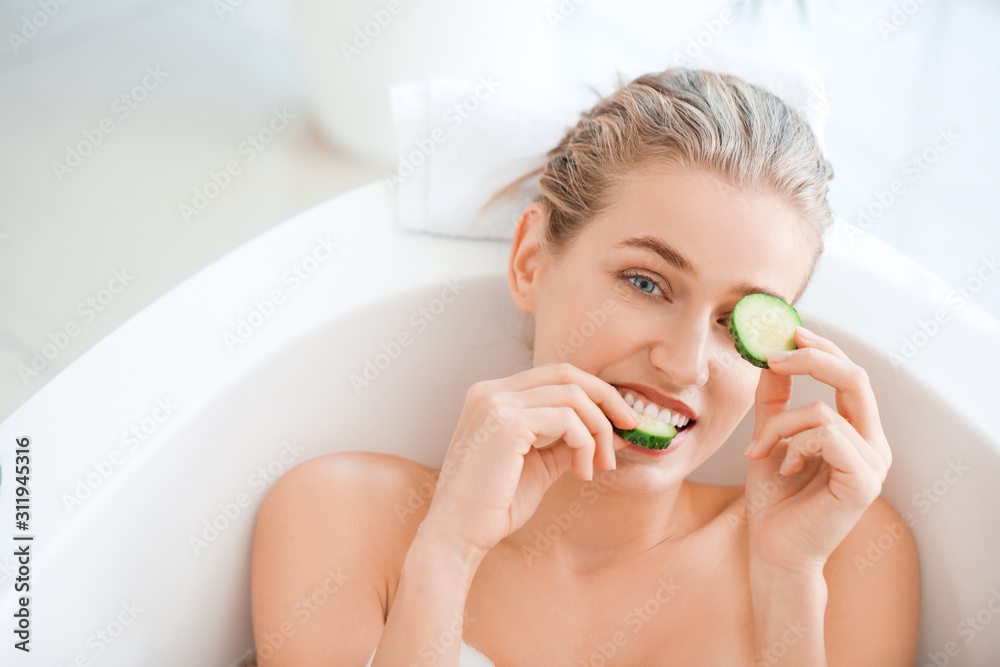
(516, 436)
(814, 471)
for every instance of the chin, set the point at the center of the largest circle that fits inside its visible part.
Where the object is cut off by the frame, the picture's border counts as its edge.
(635, 477)
(644, 472)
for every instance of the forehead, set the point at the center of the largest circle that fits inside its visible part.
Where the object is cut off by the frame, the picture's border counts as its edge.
(727, 235)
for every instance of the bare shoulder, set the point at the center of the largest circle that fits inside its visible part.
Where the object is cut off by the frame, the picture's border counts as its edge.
(329, 540)
(368, 500)
(372, 481)
(873, 579)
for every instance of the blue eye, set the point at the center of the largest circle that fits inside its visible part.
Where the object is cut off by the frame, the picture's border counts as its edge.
(644, 283)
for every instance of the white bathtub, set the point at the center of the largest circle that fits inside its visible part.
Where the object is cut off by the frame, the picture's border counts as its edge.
(123, 563)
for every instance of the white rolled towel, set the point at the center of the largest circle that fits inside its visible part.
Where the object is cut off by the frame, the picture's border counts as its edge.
(460, 141)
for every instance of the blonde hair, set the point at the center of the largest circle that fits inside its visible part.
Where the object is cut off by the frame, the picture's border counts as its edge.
(694, 118)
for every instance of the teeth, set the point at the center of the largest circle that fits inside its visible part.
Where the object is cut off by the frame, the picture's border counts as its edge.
(654, 411)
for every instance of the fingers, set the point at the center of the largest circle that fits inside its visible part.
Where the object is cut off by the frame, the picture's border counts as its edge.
(817, 430)
(562, 424)
(594, 400)
(600, 392)
(773, 393)
(826, 362)
(579, 408)
(562, 403)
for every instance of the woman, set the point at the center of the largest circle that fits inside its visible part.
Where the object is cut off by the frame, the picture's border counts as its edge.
(549, 540)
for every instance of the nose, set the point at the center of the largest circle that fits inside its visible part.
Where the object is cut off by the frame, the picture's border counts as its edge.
(682, 352)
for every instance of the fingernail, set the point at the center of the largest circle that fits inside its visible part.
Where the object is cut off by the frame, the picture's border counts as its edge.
(779, 356)
(753, 443)
(805, 332)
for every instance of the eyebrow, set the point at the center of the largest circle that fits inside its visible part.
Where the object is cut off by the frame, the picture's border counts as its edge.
(674, 258)
(744, 288)
(656, 246)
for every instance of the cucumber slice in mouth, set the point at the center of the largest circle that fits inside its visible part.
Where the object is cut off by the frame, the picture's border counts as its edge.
(760, 324)
(650, 433)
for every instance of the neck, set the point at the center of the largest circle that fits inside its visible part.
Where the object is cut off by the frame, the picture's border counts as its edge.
(587, 525)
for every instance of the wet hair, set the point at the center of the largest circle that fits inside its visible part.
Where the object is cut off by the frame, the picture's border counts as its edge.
(719, 123)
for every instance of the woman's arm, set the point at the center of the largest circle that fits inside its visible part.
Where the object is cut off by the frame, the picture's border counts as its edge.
(329, 542)
(824, 470)
(515, 437)
(862, 608)
(426, 620)
(788, 611)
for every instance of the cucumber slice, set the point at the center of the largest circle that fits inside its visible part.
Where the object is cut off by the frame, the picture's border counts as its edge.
(650, 433)
(760, 324)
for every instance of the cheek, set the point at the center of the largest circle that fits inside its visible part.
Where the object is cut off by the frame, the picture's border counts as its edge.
(578, 333)
(736, 384)
(578, 320)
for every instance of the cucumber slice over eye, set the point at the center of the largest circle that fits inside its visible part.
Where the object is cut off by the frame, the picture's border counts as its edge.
(760, 324)
(650, 433)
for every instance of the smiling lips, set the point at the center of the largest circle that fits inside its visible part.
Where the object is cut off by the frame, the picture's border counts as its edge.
(644, 405)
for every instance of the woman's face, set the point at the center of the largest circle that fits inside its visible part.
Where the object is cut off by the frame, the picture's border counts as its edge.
(641, 298)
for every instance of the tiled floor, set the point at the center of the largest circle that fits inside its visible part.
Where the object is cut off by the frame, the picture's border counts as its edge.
(106, 201)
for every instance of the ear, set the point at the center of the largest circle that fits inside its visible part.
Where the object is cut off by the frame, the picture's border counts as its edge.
(527, 258)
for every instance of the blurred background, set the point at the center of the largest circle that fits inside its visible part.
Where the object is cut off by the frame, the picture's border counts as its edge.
(140, 140)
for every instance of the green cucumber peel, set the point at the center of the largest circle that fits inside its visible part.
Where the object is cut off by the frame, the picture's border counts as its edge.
(650, 433)
(761, 323)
